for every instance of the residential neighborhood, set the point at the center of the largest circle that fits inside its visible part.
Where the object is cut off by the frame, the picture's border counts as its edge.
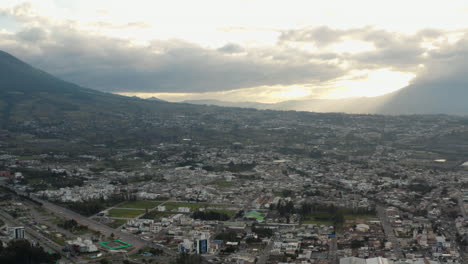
(345, 195)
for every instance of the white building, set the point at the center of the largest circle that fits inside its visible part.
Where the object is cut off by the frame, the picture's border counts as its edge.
(354, 260)
(83, 246)
(16, 232)
(183, 210)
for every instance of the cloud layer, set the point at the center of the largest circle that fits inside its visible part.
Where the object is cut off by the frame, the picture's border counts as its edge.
(306, 56)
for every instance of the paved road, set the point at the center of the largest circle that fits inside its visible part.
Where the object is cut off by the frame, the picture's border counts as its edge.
(38, 237)
(137, 242)
(389, 231)
(82, 220)
(333, 247)
(46, 220)
(266, 252)
(450, 232)
(461, 203)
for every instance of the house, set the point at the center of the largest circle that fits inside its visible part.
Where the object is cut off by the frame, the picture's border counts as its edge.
(183, 210)
(354, 260)
(5, 174)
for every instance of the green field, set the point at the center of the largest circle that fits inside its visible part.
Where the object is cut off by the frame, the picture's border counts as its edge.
(117, 222)
(125, 213)
(319, 218)
(140, 204)
(222, 183)
(157, 215)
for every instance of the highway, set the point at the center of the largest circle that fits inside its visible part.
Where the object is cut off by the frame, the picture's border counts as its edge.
(136, 242)
(46, 243)
(82, 220)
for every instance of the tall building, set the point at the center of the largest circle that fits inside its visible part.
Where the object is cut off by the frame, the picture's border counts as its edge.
(17, 232)
(202, 246)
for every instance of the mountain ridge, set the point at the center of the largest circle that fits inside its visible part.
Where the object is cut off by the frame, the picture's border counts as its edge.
(26, 86)
(413, 99)
(32, 95)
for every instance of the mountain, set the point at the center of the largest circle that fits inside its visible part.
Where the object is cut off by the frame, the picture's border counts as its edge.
(29, 94)
(231, 104)
(155, 99)
(429, 98)
(349, 105)
(41, 112)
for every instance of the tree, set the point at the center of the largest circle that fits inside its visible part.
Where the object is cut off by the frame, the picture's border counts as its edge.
(22, 252)
(357, 244)
(210, 215)
(189, 259)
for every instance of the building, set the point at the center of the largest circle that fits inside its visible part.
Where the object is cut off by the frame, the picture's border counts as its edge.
(201, 246)
(5, 174)
(354, 260)
(16, 232)
(183, 210)
(80, 246)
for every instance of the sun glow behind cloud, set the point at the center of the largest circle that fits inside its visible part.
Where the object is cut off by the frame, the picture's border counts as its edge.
(263, 94)
(361, 84)
(370, 84)
(256, 26)
(352, 46)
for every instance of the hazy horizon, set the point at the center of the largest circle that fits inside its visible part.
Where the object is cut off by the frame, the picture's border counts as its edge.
(240, 51)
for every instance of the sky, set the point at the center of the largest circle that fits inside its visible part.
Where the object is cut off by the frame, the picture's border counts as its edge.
(244, 50)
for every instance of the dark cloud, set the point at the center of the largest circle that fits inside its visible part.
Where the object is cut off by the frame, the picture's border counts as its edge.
(31, 35)
(163, 66)
(113, 64)
(231, 48)
(447, 66)
(398, 51)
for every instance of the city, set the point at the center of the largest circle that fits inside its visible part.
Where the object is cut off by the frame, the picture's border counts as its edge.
(233, 132)
(346, 194)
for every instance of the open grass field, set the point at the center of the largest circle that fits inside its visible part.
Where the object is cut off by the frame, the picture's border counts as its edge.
(125, 213)
(140, 204)
(117, 222)
(222, 183)
(157, 215)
